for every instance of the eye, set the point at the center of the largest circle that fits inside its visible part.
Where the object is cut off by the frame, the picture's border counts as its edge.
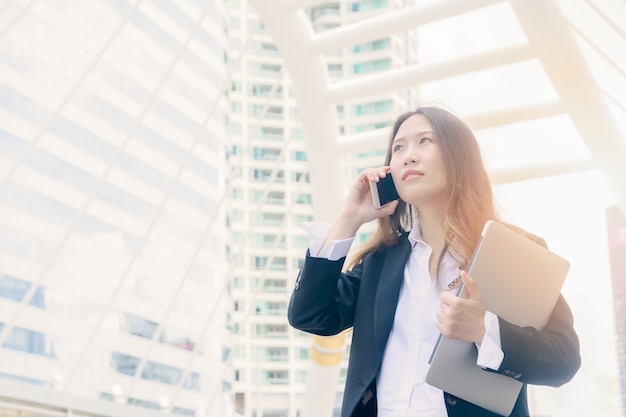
(397, 147)
(425, 140)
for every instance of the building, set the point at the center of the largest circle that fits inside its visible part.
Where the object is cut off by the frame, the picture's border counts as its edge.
(154, 168)
(616, 225)
(113, 235)
(271, 192)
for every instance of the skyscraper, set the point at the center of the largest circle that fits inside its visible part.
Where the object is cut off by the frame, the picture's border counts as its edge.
(271, 193)
(113, 249)
(616, 223)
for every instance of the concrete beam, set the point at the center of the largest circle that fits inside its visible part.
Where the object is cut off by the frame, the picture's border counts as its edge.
(555, 46)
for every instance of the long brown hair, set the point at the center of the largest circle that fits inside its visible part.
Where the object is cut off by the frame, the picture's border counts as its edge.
(469, 198)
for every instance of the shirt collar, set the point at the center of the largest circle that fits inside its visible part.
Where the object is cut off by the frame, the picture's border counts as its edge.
(450, 280)
(415, 235)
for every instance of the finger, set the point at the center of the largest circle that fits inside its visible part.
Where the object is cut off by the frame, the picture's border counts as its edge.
(471, 287)
(389, 208)
(447, 298)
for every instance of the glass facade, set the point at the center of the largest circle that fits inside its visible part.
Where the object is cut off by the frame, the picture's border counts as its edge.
(113, 235)
(153, 175)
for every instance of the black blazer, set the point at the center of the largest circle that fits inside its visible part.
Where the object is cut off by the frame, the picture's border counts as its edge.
(326, 301)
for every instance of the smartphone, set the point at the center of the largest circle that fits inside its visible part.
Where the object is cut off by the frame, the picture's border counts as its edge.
(383, 191)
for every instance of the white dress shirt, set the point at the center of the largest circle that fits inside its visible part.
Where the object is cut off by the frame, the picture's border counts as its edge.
(401, 390)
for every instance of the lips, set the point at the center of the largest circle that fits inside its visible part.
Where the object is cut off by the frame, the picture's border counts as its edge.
(411, 174)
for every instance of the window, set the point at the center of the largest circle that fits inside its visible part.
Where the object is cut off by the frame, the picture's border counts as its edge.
(39, 298)
(259, 262)
(272, 331)
(183, 411)
(372, 66)
(304, 199)
(359, 6)
(164, 374)
(267, 241)
(300, 156)
(275, 285)
(376, 107)
(192, 382)
(276, 377)
(272, 308)
(264, 175)
(266, 154)
(372, 126)
(301, 242)
(302, 376)
(139, 327)
(260, 90)
(265, 48)
(275, 354)
(279, 263)
(13, 288)
(301, 218)
(29, 341)
(335, 70)
(271, 69)
(268, 219)
(275, 133)
(238, 282)
(271, 197)
(301, 177)
(377, 45)
(124, 364)
(274, 113)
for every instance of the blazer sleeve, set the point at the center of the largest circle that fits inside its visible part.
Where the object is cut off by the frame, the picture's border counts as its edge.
(550, 356)
(323, 301)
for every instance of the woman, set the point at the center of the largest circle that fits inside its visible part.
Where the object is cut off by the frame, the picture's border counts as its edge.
(398, 291)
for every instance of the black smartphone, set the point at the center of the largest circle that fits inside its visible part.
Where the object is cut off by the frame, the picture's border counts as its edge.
(383, 191)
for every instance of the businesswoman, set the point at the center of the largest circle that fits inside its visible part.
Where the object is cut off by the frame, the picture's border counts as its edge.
(397, 291)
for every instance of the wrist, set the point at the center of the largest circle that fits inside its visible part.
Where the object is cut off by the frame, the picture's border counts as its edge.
(346, 226)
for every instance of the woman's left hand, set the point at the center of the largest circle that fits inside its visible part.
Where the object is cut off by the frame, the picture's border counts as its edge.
(462, 318)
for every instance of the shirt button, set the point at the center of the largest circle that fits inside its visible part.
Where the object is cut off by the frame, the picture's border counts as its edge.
(451, 400)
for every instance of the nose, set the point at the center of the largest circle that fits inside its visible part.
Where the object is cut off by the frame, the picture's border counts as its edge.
(410, 157)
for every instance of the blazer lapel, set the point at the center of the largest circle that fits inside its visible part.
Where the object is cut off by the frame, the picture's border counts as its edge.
(392, 274)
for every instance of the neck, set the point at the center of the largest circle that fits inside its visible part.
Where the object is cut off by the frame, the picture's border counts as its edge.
(431, 225)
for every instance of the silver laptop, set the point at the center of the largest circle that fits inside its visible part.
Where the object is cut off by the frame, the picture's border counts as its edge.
(519, 281)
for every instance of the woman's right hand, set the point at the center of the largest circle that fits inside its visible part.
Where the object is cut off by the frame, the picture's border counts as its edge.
(359, 208)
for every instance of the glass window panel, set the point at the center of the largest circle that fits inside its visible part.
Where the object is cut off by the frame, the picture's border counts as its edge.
(272, 331)
(164, 374)
(124, 364)
(183, 411)
(192, 382)
(25, 379)
(138, 326)
(29, 341)
(178, 338)
(13, 288)
(300, 156)
(276, 377)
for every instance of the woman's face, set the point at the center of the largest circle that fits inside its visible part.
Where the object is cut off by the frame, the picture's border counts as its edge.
(416, 163)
